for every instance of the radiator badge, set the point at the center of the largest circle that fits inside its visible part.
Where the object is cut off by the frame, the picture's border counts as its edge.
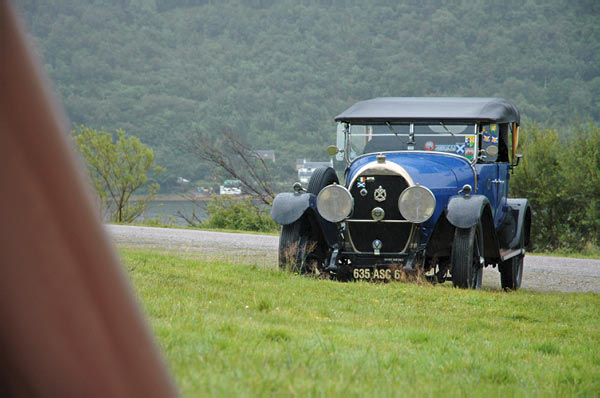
(380, 194)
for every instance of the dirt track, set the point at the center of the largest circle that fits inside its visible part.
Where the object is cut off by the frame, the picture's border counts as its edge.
(540, 273)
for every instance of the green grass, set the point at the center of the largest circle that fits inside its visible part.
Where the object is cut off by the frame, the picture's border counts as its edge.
(237, 330)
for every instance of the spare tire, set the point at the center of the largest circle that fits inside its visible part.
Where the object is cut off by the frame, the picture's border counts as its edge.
(322, 177)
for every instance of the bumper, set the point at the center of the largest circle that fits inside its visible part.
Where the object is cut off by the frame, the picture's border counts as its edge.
(361, 260)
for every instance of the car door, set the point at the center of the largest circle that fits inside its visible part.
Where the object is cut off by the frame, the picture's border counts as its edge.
(492, 171)
(487, 177)
(501, 183)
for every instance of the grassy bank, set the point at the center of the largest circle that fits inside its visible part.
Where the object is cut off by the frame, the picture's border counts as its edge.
(236, 330)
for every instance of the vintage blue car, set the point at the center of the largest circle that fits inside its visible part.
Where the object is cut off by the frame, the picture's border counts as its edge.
(426, 190)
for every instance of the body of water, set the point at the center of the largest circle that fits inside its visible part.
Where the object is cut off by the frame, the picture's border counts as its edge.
(166, 210)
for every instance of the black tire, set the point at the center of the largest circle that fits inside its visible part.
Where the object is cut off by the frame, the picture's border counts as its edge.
(511, 270)
(320, 178)
(302, 247)
(467, 252)
(291, 247)
(301, 244)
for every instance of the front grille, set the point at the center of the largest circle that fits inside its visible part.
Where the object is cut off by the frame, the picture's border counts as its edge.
(394, 236)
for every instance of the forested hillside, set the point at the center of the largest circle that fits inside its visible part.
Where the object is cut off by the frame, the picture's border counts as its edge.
(279, 71)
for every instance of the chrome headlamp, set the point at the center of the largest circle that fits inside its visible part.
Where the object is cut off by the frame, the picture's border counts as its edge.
(416, 204)
(335, 203)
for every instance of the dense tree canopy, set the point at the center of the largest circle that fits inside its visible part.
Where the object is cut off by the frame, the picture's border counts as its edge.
(560, 175)
(278, 72)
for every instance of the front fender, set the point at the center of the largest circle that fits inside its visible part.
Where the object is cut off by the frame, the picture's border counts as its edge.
(465, 211)
(523, 210)
(289, 207)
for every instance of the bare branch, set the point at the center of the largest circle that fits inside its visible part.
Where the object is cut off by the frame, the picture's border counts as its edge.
(238, 161)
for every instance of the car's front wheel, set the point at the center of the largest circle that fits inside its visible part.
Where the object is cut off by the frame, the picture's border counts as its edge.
(467, 257)
(291, 247)
(301, 248)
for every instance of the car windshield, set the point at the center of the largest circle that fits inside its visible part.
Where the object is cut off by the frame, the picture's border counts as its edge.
(449, 137)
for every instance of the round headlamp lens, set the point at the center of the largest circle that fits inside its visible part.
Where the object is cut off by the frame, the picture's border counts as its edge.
(334, 203)
(416, 204)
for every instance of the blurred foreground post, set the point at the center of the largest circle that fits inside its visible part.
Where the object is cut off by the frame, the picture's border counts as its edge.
(70, 324)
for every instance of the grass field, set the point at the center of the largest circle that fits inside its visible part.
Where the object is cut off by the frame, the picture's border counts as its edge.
(235, 330)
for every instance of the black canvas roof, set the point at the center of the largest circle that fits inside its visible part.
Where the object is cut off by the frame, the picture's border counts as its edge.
(431, 108)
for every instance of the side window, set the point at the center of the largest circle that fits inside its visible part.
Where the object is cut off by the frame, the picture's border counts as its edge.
(490, 142)
(503, 142)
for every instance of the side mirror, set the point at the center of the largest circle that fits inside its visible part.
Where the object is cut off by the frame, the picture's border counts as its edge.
(517, 159)
(333, 150)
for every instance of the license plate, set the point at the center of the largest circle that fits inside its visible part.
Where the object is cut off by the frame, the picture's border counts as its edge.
(376, 274)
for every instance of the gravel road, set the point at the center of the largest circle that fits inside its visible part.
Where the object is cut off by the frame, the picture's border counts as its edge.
(540, 273)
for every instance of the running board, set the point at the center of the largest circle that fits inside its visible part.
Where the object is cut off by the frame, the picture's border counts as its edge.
(508, 254)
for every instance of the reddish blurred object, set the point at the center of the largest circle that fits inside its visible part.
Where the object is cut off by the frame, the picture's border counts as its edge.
(70, 324)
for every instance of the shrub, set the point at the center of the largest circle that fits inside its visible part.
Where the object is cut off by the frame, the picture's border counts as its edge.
(228, 213)
(560, 175)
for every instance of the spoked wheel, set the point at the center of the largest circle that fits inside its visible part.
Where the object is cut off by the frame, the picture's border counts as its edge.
(301, 248)
(467, 257)
(511, 270)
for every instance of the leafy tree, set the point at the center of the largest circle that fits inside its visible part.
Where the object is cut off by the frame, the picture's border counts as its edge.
(538, 179)
(560, 175)
(581, 177)
(117, 170)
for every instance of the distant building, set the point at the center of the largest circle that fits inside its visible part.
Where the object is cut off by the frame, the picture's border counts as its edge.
(266, 155)
(306, 168)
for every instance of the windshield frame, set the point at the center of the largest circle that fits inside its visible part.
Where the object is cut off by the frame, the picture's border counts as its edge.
(410, 136)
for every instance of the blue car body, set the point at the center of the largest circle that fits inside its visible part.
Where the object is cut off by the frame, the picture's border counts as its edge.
(416, 149)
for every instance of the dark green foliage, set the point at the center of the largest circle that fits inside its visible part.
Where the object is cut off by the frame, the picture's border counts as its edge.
(228, 213)
(278, 72)
(560, 174)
